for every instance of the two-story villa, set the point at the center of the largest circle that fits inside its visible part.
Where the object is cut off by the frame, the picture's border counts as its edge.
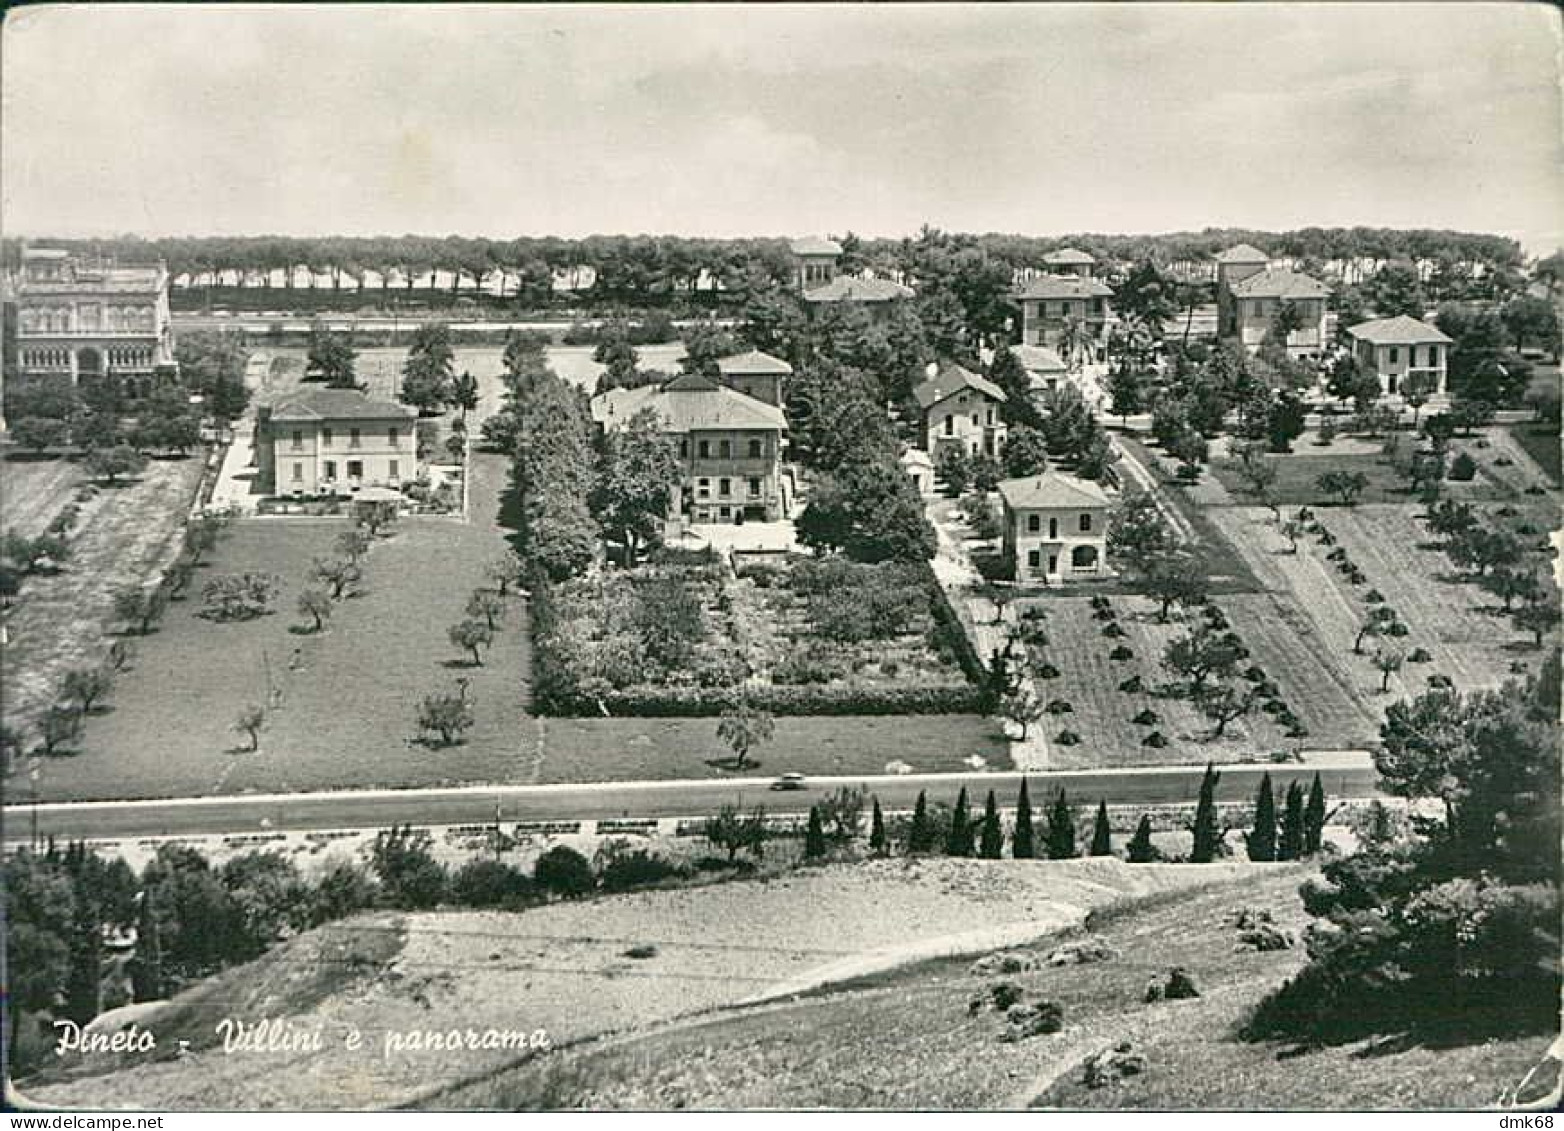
(334, 442)
(81, 318)
(814, 262)
(1047, 302)
(962, 409)
(1398, 349)
(730, 446)
(1055, 527)
(1250, 292)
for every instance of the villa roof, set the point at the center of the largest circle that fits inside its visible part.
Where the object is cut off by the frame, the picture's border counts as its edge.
(952, 378)
(1401, 330)
(1069, 255)
(338, 404)
(916, 457)
(1039, 359)
(689, 403)
(1062, 286)
(1052, 489)
(815, 245)
(1242, 253)
(848, 288)
(753, 362)
(1280, 282)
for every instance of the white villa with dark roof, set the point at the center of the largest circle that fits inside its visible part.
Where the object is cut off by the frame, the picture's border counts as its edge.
(961, 409)
(334, 442)
(1055, 528)
(1397, 350)
(729, 443)
(1249, 292)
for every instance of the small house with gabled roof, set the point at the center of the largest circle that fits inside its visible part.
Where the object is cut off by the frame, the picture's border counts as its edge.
(1402, 349)
(1055, 527)
(1070, 261)
(755, 374)
(961, 409)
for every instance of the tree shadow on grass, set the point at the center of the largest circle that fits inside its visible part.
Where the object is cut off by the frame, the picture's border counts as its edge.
(462, 664)
(732, 765)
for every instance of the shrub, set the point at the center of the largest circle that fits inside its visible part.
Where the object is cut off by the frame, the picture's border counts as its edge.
(1059, 707)
(1132, 686)
(1067, 738)
(1255, 674)
(1419, 656)
(564, 872)
(1155, 739)
(1121, 653)
(1146, 718)
(1339, 554)
(621, 867)
(1047, 671)
(491, 883)
(1463, 468)
(1373, 597)
(1098, 601)
(1105, 614)
(1112, 629)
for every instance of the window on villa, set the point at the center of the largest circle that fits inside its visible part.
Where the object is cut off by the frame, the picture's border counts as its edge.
(325, 436)
(725, 512)
(1257, 308)
(1034, 523)
(754, 487)
(298, 472)
(703, 487)
(684, 449)
(950, 426)
(725, 449)
(298, 438)
(331, 470)
(1034, 558)
(1053, 528)
(705, 449)
(1086, 523)
(1433, 355)
(392, 470)
(353, 438)
(990, 418)
(1395, 355)
(974, 420)
(392, 435)
(724, 486)
(754, 449)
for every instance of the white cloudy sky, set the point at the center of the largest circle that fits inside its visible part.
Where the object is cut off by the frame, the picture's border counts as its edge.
(733, 120)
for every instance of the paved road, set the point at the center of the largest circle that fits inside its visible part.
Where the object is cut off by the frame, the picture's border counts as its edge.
(475, 805)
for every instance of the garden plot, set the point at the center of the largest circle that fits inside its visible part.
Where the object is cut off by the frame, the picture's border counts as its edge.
(682, 636)
(35, 491)
(1103, 716)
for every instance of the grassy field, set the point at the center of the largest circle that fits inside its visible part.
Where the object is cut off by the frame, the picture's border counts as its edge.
(1541, 443)
(1296, 475)
(35, 490)
(123, 537)
(908, 1040)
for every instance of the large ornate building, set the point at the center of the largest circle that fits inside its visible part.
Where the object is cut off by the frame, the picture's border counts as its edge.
(78, 318)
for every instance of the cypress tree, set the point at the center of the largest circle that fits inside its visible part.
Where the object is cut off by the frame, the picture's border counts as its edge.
(991, 843)
(1314, 817)
(1102, 834)
(1061, 830)
(920, 834)
(1262, 841)
(84, 981)
(146, 972)
(1208, 836)
(1291, 846)
(959, 842)
(1022, 845)
(1141, 850)
(814, 836)
(877, 829)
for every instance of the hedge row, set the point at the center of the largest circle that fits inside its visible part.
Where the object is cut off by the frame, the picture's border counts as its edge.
(697, 702)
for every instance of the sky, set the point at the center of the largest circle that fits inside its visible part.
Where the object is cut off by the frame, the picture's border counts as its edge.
(780, 120)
